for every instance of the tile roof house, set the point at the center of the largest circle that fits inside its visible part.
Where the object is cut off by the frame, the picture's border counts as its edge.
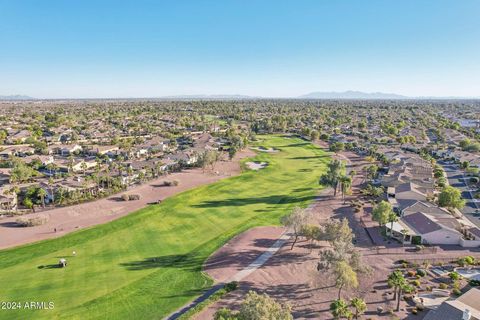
(424, 222)
(405, 195)
(465, 307)
(19, 136)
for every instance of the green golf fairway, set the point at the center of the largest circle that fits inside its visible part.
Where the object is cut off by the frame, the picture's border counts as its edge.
(149, 263)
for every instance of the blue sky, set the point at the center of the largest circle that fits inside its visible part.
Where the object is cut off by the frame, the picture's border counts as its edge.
(270, 48)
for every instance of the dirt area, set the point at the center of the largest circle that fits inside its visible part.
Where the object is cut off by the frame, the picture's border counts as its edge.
(72, 218)
(291, 275)
(256, 165)
(240, 251)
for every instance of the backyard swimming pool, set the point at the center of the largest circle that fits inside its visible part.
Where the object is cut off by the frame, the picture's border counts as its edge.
(469, 273)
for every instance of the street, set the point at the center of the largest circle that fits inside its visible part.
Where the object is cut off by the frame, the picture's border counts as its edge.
(457, 179)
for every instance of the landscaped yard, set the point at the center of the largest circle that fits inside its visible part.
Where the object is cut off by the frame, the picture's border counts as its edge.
(148, 264)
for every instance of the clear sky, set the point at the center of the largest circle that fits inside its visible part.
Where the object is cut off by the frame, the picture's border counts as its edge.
(270, 48)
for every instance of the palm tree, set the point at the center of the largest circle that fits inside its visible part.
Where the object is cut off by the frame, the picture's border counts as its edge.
(359, 305)
(339, 309)
(42, 193)
(61, 195)
(392, 217)
(71, 161)
(397, 281)
(50, 187)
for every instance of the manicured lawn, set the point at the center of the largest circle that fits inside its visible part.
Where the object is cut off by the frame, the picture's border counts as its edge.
(148, 264)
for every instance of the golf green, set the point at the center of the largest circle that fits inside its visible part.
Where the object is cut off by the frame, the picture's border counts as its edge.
(148, 264)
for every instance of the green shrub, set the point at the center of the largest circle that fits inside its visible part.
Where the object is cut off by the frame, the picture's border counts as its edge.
(231, 286)
(469, 260)
(416, 283)
(474, 283)
(456, 292)
(454, 275)
(442, 286)
(421, 272)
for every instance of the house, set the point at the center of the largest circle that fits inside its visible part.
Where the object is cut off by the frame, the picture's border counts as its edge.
(404, 195)
(103, 150)
(168, 164)
(425, 223)
(5, 174)
(44, 160)
(144, 165)
(465, 307)
(453, 137)
(432, 231)
(156, 145)
(136, 152)
(23, 151)
(77, 165)
(7, 153)
(205, 141)
(70, 185)
(66, 149)
(184, 157)
(19, 137)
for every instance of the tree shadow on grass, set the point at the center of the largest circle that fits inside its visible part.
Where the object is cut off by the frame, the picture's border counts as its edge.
(181, 261)
(237, 202)
(308, 157)
(50, 266)
(301, 144)
(302, 189)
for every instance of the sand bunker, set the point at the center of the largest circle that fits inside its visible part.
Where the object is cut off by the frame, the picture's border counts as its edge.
(263, 149)
(256, 165)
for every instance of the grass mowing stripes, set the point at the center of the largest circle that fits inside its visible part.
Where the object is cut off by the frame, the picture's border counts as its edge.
(147, 264)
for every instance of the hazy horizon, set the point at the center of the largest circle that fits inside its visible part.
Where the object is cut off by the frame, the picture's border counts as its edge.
(269, 49)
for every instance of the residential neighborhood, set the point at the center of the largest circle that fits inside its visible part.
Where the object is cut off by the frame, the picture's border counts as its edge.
(240, 160)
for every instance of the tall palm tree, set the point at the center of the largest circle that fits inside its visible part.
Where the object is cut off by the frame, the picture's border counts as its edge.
(392, 217)
(50, 187)
(397, 281)
(42, 194)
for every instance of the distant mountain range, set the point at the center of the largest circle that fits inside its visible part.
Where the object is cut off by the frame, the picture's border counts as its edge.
(16, 97)
(352, 95)
(347, 95)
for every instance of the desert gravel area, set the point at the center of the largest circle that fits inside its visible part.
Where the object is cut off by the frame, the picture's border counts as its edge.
(72, 218)
(240, 251)
(290, 275)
